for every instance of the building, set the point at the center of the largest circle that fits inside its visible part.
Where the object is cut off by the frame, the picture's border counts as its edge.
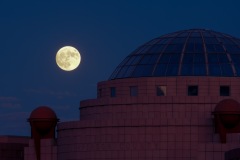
(12, 147)
(175, 97)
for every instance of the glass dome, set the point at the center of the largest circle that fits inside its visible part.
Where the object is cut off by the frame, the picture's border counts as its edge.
(194, 52)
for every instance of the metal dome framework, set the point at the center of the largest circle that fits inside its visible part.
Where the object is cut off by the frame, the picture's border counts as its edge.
(194, 52)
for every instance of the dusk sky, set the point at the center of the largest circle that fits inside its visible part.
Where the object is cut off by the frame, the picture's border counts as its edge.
(103, 31)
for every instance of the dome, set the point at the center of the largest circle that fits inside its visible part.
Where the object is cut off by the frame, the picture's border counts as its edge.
(194, 52)
(43, 112)
(227, 106)
(229, 111)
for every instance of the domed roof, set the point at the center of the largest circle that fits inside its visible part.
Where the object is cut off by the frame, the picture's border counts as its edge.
(194, 52)
(43, 112)
(227, 106)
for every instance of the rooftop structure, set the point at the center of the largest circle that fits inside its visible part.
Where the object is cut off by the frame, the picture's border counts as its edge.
(194, 52)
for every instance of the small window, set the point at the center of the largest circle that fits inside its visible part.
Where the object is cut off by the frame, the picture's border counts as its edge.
(113, 91)
(192, 90)
(161, 90)
(133, 91)
(99, 93)
(224, 91)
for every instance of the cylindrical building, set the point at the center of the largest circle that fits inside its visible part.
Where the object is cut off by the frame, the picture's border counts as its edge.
(159, 103)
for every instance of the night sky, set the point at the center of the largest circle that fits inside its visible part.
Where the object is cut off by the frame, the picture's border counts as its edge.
(103, 31)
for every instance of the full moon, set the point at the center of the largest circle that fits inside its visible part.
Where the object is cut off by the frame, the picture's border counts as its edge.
(68, 58)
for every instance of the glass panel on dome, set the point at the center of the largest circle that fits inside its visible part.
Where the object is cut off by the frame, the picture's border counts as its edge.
(195, 34)
(211, 40)
(223, 58)
(190, 48)
(187, 70)
(214, 70)
(175, 58)
(199, 48)
(188, 58)
(165, 58)
(219, 48)
(136, 59)
(206, 34)
(179, 40)
(237, 68)
(138, 50)
(129, 62)
(218, 35)
(226, 41)
(191, 40)
(235, 58)
(194, 40)
(210, 48)
(172, 69)
(154, 41)
(160, 70)
(199, 58)
(159, 41)
(149, 59)
(165, 40)
(173, 48)
(115, 73)
(232, 48)
(212, 58)
(125, 61)
(122, 72)
(156, 48)
(129, 71)
(143, 70)
(226, 69)
(178, 48)
(145, 49)
(199, 69)
(145, 59)
(153, 59)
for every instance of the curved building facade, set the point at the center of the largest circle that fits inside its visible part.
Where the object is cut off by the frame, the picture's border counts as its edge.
(173, 98)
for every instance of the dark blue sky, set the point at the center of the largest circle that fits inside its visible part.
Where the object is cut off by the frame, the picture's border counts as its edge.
(103, 31)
